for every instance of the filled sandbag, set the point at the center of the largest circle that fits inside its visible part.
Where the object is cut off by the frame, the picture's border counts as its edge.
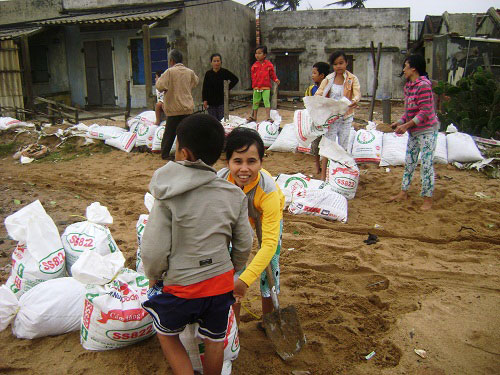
(156, 144)
(352, 135)
(324, 203)
(145, 135)
(291, 184)
(196, 350)
(7, 123)
(462, 148)
(305, 130)
(232, 123)
(342, 179)
(90, 235)
(394, 150)
(147, 118)
(51, 308)
(268, 131)
(125, 141)
(367, 146)
(39, 255)
(101, 132)
(325, 111)
(441, 153)
(286, 141)
(139, 227)
(112, 314)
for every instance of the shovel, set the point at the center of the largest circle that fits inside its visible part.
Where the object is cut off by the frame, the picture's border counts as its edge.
(282, 326)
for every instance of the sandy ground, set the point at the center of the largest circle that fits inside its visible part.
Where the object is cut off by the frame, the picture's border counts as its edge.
(432, 282)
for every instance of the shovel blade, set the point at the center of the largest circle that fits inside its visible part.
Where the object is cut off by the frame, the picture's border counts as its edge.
(285, 332)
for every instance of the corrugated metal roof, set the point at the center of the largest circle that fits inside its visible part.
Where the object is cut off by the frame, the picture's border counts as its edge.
(12, 33)
(111, 17)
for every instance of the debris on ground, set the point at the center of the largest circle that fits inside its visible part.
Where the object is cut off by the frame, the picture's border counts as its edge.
(372, 239)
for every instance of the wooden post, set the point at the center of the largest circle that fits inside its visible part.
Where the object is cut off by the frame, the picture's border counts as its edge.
(386, 111)
(127, 108)
(226, 100)
(50, 112)
(375, 78)
(486, 60)
(146, 43)
(274, 96)
(28, 81)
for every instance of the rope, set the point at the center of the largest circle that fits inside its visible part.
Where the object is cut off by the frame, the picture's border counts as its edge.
(248, 309)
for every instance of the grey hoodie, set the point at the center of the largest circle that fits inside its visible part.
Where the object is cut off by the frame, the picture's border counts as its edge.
(194, 218)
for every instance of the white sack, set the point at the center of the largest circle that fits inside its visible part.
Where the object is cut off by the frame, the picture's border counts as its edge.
(147, 117)
(51, 308)
(112, 315)
(232, 123)
(139, 227)
(39, 254)
(333, 151)
(125, 142)
(90, 235)
(145, 135)
(10, 123)
(250, 125)
(275, 116)
(394, 150)
(268, 131)
(367, 146)
(156, 144)
(196, 350)
(462, 148)
(441, 153)
(104, 132)
(325, 111)
(286, 141)
(324, 203)
(352, 135)
(305, 130)
(342, 179)
(291, 184)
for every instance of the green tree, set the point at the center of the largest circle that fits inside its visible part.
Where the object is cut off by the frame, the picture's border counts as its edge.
(260, 5)
(473, 105)
(355, 4)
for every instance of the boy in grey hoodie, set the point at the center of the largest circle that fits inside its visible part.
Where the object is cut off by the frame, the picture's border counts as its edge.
(185, 244)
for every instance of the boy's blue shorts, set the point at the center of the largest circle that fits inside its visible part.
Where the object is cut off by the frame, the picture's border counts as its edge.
(171, 314)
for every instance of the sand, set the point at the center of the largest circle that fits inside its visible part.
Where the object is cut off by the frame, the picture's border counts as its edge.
(432, 282)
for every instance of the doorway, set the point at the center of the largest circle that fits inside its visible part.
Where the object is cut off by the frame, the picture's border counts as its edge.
(99, 72)
(287, 70)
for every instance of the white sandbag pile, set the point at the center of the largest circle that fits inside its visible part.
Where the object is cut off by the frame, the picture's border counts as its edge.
(196, 350)
(145, 135)
(394, 150)
(291, 184)
(286, 141)
(367, 146)
(462, 148)
(324, 203)
(51, 308)
(7, 123)
(156, 144)
(232, 123)
(125, 141)
(147, 118)
(104, 132)
(112, 315)
(90, 235)
(39, 254)
(269, 131)
(139, 227)
(441, 153)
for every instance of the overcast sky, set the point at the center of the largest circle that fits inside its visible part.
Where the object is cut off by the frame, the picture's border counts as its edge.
(418, 8)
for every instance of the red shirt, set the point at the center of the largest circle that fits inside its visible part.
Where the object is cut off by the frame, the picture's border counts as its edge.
(262, 73)
(215, 286)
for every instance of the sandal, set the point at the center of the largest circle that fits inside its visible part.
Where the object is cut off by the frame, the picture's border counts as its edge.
(251, 119)
(270, 120)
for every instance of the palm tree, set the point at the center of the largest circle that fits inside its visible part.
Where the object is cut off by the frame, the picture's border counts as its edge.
(353, 3)
(260, 5)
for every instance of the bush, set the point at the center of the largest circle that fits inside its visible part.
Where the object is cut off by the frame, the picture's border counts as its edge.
(473, 105)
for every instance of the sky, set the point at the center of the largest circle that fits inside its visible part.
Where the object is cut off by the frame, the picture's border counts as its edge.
(418, 8)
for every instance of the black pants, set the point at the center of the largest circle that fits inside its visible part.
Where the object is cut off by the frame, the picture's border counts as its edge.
(169, 134)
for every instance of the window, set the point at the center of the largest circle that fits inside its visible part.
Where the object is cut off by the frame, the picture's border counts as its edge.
(39, 64)
(159, 59)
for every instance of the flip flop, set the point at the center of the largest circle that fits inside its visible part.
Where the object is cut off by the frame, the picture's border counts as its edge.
(250, 119)
(270, 120)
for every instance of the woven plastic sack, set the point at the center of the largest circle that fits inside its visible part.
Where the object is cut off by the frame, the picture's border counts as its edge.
(394, 150)
(462, 148)
(104, 132)
(325, 111)
(305, 130)
(268, 131)
(342, 179)
(145, 118)
(324, 203)
(125, 141)
(291, 184)
(367, 146)
(286, 141)
(140, 226)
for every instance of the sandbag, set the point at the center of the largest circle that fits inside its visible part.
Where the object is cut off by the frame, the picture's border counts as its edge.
(96, 131)
(268, 131)
(147, 118)
(324, 203)
(291, 184)
(342, 179)
(90, 235)
(394, 150)
(249, 125)
(39, 254)
(196, 350)
(145, 135)
(156, 144)
(352, 135)
(232, 123)
(112, 315)
(367, 146)
(325, 111)
(462, 148)
(305, 130)
(125, 142)
(11, 123)
(333, 151)
(139, 227)
(441, 153)
(286, 141)
(51, 308)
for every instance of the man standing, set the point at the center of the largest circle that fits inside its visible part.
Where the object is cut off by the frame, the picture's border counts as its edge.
(177, 83)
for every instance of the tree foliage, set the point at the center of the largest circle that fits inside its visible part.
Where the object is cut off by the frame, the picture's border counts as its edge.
(355, 4)
(473, 105)
(260, 5)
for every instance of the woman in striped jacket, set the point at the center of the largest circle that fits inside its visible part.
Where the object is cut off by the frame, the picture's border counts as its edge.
(421, 122)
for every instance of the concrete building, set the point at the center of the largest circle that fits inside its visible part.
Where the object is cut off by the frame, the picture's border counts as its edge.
(296, 40)
(86, 52)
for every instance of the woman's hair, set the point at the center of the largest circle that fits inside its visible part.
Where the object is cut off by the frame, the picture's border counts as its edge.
(335, 55)
(240, 139)
(418, 63)
(215, 55)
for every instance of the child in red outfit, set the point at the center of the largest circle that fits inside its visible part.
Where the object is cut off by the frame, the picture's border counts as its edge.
(262, 72)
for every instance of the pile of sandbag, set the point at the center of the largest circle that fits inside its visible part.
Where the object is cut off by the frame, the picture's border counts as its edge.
(90, 235)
